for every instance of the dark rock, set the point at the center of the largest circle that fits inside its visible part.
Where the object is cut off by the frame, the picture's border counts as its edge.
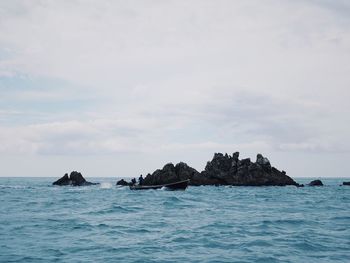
(224, 170)
(315, 183)
(123, 183)
(235, 159)
(263, 162)
(64, 180)
(346, 183)
(244, 162)
(171, 174)
(75, 179)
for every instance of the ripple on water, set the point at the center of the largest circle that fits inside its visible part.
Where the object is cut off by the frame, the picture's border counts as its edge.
(113, 209)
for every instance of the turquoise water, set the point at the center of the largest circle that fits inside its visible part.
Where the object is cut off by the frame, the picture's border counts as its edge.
(43, 223)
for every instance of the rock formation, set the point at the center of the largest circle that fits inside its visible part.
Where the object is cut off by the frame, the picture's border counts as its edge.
(315, 183)
(346, 183)
(74, 179)
(122, 182)
(171, 174)
(224, 170)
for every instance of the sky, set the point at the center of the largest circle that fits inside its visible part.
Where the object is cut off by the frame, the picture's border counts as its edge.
(120, 88)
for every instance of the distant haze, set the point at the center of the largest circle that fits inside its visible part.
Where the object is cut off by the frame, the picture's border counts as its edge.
(120, 88)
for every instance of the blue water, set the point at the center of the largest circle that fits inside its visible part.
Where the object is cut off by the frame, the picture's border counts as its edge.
(43, 223)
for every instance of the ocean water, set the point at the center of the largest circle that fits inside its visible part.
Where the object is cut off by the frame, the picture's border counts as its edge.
(44, 223)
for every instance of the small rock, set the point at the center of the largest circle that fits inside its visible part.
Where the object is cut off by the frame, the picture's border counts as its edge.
(346, 183)
(123, 182)
(64, 180)
(315, 183)
(75, 179)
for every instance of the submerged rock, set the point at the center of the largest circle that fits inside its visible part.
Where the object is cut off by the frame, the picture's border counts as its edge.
(224, 170)
(315, 183)
(74, 179)
(346, 183)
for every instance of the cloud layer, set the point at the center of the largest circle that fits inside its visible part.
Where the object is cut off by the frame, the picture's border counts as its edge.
(173, 78)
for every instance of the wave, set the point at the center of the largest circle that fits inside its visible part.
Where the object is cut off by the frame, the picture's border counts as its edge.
(14, 187)
(201, 224)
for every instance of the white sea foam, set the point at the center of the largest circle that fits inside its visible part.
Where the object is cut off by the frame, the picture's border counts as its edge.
(121, 187)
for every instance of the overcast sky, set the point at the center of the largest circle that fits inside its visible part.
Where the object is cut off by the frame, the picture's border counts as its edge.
(119, 88)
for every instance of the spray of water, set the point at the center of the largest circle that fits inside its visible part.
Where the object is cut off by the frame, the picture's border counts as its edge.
(106, 185)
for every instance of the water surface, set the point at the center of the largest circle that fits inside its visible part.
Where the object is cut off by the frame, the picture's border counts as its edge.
(44, 223)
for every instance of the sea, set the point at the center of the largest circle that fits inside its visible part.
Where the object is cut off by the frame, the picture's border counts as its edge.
(104, 223)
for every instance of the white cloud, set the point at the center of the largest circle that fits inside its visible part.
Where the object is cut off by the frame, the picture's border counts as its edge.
(240, 121)
(171, 76)
(72, 137)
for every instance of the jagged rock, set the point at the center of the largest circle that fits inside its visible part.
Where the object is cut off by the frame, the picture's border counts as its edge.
(235, 159)
(263, 162)
(224, 170)
(315, 183)
(75, 179)
(346, 183)
(244, 162)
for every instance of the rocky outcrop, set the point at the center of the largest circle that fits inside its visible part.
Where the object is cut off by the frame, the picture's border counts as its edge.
(74, 179)
(346, 183)
(122, 182)
(171, 174)
(224, 170)
(315, 183)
